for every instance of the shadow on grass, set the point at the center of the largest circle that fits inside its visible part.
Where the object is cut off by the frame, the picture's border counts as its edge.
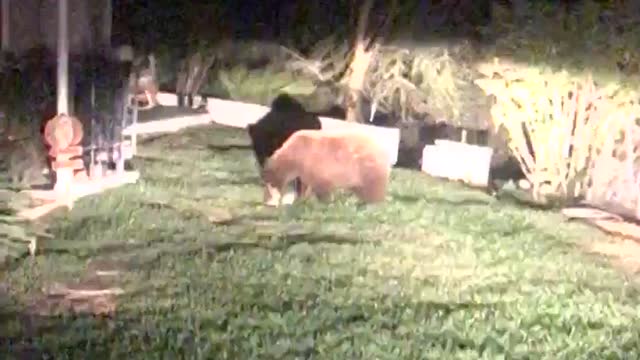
(270, 242)
(412, 199)
(287, 241)
(191, 211)
(239, 180)
(250, 326)
(103, 250)
(221, 314)
(141, 159)
(151, 139)
(164, 329)
(32, 335)
(85, 251)
(228, 147)
(144, 254)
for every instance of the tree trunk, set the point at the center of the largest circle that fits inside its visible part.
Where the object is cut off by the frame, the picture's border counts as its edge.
(358, 74)
(359, 65)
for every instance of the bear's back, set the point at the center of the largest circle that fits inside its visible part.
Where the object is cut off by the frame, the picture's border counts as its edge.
(334, 145)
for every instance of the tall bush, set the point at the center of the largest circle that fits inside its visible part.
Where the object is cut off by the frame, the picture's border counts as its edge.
(614, 173)
(262, 86)
(556, 123)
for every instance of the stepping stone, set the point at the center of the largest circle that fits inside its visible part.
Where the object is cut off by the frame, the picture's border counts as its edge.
(106, 267)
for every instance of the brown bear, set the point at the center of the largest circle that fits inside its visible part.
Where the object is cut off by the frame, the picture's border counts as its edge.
(326, 160)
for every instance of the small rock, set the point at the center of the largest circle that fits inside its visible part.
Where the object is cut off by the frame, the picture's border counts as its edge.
(219, 216)
(105, 267)
(524, 184)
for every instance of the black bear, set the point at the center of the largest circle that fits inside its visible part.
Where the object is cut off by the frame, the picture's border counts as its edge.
(268, 134)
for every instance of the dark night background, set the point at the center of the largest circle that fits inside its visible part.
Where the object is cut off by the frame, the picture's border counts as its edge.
(160, 21)
(173, 29)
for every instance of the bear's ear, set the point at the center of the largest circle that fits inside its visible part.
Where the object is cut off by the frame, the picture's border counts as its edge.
(251, 129)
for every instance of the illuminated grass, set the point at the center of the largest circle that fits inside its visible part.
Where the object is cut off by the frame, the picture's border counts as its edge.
(439, 271)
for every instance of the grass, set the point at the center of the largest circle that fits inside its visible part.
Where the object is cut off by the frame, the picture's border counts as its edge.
(437, 272)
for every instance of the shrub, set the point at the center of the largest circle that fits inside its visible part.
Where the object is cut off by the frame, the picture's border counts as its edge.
(262, 85)
(556, 123)
(614, 176)
(435, 80)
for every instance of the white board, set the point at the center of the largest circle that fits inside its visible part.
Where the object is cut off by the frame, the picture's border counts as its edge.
(458, 161)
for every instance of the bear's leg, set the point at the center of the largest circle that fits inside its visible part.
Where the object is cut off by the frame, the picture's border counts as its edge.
(272, 195)
(323, 191)
(373, 189)
(323, 196)
(304, 190)
(368, 195)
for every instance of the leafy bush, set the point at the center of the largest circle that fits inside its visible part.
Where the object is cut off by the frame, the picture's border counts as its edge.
(166, 66)
(262, 85)
(614, 175)
(556, 123)
(435, 80)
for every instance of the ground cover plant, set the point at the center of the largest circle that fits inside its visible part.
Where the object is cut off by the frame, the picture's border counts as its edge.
(440, 271)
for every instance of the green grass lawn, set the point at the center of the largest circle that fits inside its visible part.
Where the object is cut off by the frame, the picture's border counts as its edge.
(439, 271)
